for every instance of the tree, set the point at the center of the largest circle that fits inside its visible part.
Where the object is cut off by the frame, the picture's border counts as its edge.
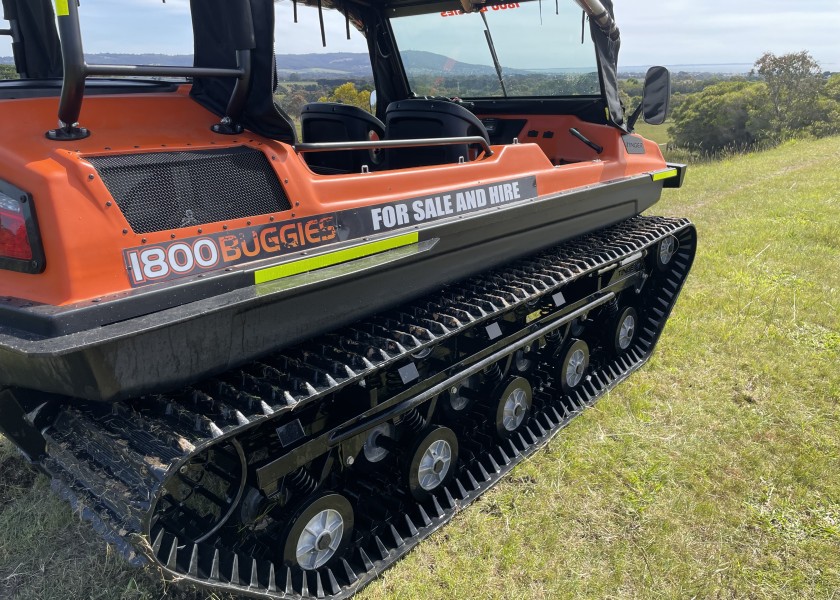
(8, 72)
(793, 83)
(726, 115)
(828, 106)
(347, 93)
(293, 103)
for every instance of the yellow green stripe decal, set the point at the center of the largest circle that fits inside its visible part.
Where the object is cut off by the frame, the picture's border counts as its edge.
(334, 258)
(664, 174)
(62, 8)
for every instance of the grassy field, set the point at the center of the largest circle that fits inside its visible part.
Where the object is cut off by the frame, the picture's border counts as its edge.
(711, 473)
(656, 133)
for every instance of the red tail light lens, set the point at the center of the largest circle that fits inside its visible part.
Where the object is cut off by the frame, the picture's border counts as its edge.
(20, 242)
(14, 241)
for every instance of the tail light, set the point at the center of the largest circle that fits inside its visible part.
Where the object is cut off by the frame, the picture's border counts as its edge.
(20, 241)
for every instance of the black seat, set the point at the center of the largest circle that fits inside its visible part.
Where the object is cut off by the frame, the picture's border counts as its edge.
(419, 118)
(334, 122)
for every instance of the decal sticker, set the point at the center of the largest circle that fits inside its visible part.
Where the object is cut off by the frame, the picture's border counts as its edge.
(162, 262)
(633, 144)
(415, 211)
(153, 263)
(667, 174)
(334, 258)
(531, 317)
(454, 13)
(62, 8)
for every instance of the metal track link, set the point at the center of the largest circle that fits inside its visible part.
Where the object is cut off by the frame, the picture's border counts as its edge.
(113, 462)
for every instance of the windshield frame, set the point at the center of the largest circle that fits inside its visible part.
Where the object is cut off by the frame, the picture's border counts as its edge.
(454, 8)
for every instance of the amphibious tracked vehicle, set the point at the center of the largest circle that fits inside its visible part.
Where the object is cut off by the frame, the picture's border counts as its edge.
(272, 360)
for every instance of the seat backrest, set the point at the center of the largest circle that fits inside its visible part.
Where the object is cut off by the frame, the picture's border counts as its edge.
(419, 118)
(334, 122)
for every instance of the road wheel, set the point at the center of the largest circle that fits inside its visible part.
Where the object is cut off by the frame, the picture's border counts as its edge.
(431, 461)
(319, 531)
(574, 364)
(513, 406)
(626, 327)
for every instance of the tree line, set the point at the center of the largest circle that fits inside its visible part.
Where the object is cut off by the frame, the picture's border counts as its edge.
(784, 96)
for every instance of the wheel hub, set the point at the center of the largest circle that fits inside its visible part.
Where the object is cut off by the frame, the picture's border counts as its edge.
(323, 542)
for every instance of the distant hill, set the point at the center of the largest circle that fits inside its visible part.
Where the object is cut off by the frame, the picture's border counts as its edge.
(353, 65)
(348, 64)
(331, 64)
(357, 65)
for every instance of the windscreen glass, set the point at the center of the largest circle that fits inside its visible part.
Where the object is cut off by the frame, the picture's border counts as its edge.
(537, 47)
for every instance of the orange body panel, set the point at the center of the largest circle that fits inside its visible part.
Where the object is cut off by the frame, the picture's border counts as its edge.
(84, 232)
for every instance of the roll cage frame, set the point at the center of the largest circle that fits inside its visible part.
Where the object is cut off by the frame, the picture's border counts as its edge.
(236, 74)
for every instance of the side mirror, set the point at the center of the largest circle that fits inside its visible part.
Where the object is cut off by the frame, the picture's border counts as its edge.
(655, 98)
(656, 95)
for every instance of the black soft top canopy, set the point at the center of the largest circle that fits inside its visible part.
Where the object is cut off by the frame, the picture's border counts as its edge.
(216, 43)
(607, 45)
(34, 39)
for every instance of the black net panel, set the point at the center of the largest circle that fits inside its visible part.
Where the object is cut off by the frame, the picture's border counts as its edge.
(158, 191)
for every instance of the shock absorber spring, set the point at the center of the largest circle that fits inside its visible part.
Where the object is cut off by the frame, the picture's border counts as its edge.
(413, 420)
(493, 375)
(393, 380)
(301, 481)
(611, 308)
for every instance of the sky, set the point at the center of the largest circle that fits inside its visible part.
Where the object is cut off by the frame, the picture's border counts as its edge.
(670, 32)
(722, 31)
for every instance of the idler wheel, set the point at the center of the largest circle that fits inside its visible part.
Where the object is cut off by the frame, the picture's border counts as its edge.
(375, 448)
(625, 329)
(578, 326)
(523, 360)
(574, 364)
(431, 461)
(665, 251)
(513, 406)
(319, 531)
(461, 395)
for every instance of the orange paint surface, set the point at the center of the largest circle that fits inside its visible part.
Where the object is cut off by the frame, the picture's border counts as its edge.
(84, 233)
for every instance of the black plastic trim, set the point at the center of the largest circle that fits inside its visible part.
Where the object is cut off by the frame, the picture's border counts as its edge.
(676, 182)
(15, 89)
(586, 108)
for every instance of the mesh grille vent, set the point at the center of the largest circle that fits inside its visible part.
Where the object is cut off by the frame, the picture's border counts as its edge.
(157, 191)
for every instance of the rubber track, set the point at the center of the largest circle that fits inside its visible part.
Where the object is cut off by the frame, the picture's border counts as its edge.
(111, 463)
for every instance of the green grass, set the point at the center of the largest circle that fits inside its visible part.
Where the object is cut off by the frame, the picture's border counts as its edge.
(656, 133)
(710, 473)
